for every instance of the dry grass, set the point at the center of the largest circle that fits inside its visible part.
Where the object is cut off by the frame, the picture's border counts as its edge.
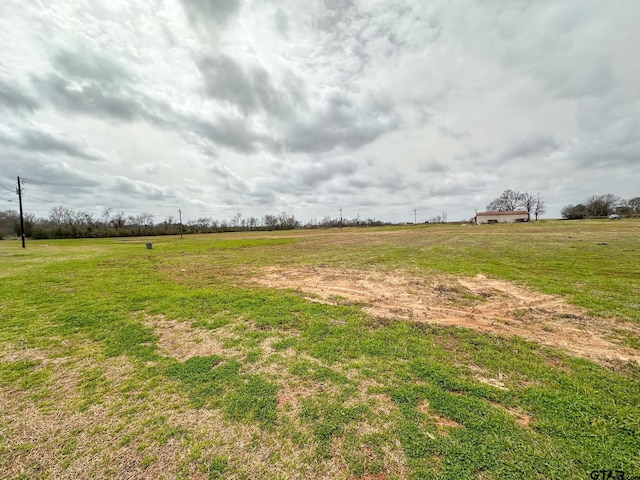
(488, 305)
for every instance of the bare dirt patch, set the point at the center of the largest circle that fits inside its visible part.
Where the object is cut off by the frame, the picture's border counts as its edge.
(479, 303)
(442, 423)
(181, 341)
(521, 418)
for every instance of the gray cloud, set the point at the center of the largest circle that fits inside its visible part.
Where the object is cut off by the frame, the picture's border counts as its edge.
(432, 166)
(15, 98)
(227, 131)
(86, 65)
(248, 88)
(281, 23)
(528, 147)
(336, 121)
(219, 11)
(53, 173)
(340, 123)
(91, 98)
(456, 135)
(140, 189)
(40, 140)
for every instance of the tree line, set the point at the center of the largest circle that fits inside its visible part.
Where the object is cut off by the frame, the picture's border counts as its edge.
(602, 206)
(64, 222)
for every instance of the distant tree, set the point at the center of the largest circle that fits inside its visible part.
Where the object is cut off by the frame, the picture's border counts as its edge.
(574, 212)
(145, 219)
(270, 221)
(59, 215)
(200, 225)
(509, 200)
(528, 202)
(8, 221)
(106, 214)
(235, 221)
(326, 222)
(118, 220)
(539, 206)
(629, 207)
(287, 222)
(601, 205)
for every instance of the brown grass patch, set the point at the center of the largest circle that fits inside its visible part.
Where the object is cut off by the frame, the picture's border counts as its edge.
(50, 436)
(521, 418)
(181, 341)
(442, 423)
(480, 303)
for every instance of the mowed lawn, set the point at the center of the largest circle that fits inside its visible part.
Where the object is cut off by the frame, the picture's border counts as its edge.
(117, 361)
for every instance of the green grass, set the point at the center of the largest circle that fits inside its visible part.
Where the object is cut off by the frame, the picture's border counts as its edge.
(292, 388)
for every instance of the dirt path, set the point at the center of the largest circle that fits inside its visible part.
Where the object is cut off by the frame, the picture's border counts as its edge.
(479, 303)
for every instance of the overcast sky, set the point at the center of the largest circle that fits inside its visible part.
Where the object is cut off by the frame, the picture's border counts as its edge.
(376, 107)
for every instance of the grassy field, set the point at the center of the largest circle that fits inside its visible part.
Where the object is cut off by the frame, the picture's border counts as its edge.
(121, 362)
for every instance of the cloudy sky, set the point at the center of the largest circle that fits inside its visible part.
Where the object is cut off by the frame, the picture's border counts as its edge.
(376, 107)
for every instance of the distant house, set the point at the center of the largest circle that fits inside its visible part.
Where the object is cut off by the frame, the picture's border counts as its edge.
(515, 216)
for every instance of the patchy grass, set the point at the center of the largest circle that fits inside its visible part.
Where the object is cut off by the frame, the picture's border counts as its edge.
(117, 361)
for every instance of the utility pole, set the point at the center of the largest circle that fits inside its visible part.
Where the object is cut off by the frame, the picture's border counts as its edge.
(415, 216)
(21, 215)
(340, 219)
(180, 213)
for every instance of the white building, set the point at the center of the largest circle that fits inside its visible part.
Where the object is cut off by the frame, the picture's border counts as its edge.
(502, 217)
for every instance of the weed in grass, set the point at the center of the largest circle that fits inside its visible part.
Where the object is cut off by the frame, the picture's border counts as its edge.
(93, 386)
(24, 374)
(285, 344)
(253, 356)
(312, 371)
(218, 467)
(254, 400)
(147, 461)
(328, 417)
(365, 454)
(205, 383)
(214, 383)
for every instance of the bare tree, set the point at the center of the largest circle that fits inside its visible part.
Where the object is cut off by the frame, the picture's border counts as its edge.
(59, 215)
(508, 201)
(106, 214)
(270, 221)
(118, 220)
(629, 207)
(601, 205)
(145, 219)
(511, 200)
(539, 207)
(574, 212)
(528, 202)
(235, 221)
(286, 221)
